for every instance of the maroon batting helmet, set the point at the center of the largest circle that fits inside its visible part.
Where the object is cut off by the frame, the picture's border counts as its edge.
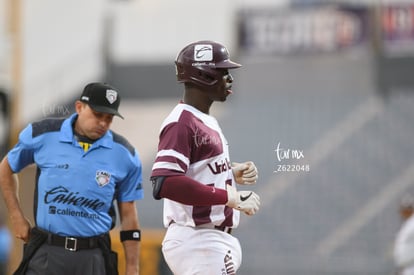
(198, 63)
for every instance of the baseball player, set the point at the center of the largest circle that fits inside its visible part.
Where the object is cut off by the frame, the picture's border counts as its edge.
(404, 242)
(82, 166)
(193, 173)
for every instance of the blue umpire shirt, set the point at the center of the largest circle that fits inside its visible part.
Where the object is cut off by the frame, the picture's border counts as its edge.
(75, 189)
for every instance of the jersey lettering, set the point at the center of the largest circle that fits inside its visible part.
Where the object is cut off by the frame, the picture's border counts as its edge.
(64, 196)
(219, 167)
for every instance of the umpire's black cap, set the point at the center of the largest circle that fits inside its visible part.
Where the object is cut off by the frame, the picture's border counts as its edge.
(102, 98)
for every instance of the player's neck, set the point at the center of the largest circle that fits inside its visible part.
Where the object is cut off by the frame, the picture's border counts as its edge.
(198, 101)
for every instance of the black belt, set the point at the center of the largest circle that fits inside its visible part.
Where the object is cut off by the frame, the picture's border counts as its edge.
(73, 243)
(223, 228)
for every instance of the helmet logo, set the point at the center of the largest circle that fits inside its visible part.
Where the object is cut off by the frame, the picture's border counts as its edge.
(203, 52)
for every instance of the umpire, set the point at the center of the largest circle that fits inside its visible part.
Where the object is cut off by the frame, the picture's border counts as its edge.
(82, 167)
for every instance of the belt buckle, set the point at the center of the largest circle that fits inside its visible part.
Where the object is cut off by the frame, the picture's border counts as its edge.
(71, 243)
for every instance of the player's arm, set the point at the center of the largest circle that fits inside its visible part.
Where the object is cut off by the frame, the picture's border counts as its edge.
(130, 236)
(188, 191)
(9, 186)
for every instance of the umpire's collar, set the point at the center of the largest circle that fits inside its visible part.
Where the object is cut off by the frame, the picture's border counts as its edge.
(66, 134)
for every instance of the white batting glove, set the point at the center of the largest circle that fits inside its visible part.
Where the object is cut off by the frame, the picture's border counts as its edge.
(245, 173)
(245, 201)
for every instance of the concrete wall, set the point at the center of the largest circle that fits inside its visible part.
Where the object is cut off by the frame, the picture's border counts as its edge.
(62, 49)
(153, 31)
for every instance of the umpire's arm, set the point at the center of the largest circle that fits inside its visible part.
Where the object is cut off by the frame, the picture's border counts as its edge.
(9, 186)
(129, 221)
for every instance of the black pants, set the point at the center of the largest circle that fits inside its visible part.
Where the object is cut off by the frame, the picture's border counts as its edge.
(53, 260)
(40, 258)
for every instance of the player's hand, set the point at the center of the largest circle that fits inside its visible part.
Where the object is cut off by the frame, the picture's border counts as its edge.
(245, 201)
(245, 173)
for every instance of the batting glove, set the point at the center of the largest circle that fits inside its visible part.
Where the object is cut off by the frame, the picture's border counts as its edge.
(245, 173)
(245, 201)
